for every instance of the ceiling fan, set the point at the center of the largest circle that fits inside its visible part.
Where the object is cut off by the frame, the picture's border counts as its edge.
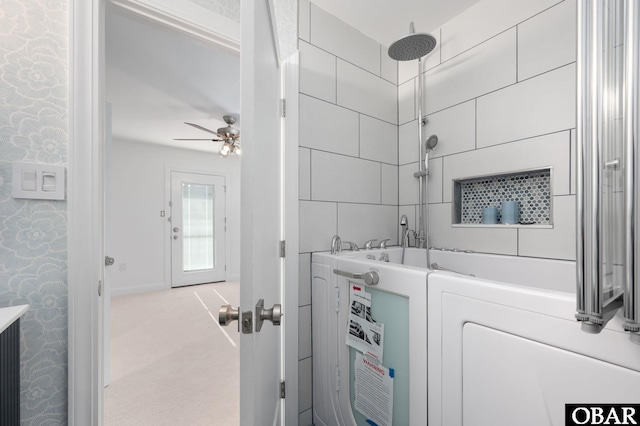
(229, 135)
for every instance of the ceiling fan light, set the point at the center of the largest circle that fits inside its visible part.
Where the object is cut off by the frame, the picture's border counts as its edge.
(225, 149)
(237, 151)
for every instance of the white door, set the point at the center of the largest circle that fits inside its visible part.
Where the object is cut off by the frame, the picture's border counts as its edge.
(197, 229)
(107, 245)
(262, 270)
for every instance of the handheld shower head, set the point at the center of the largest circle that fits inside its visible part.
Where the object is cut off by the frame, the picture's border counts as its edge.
(431, 142)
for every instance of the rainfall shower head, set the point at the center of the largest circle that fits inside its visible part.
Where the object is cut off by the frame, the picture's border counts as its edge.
(413, 46)
(431, 142)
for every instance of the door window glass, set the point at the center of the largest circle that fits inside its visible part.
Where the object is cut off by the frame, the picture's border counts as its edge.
(198, 215)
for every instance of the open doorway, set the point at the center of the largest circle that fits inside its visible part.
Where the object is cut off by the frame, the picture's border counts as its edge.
(166, 341)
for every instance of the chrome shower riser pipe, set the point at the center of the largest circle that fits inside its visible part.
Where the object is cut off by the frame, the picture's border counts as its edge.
(421, 182)
(423, 226)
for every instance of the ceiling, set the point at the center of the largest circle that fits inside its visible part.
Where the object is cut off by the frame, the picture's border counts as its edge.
(385, 21)
(157, 77)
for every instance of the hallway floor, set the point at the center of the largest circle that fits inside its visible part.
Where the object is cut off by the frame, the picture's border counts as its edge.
(171, 364)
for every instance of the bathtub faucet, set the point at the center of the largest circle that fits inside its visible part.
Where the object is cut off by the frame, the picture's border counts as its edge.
(336, 244)
(404, 225)
(405, 240)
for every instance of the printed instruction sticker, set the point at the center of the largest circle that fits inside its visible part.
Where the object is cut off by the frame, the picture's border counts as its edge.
(364, 334)
(373, 390)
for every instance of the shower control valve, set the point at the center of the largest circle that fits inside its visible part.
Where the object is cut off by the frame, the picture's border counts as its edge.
(369, 244)
(383, 243)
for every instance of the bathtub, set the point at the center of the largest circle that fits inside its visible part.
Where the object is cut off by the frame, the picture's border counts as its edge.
(498, 342)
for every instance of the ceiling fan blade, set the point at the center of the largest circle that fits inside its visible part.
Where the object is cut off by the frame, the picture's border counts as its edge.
(214, 140)
(201, 128)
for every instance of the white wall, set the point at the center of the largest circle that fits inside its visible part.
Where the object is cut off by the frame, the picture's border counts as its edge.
(501, 98)
(139, 193)
(348, 151)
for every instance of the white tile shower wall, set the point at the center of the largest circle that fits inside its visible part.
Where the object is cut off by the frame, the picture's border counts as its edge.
(304, 337)
(304, 18)
(339, 38)
(304, 173)
(348, 154)
(547, 40)
(305, 385)
(304, 293)
(409, 186)
(367, 93)
(335, 177)
(489, 66)
(327, 126)
(484, 20)
(542, 104)
(455, 127)
(378, 140)
(502, 100)
(318, 223)
(358, 220)
(558, 242)
(408, 142)
(389, 183)
(407, 108)
(317, 73)
(388, 67)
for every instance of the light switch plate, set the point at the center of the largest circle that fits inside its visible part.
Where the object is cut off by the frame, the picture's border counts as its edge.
(38, 181)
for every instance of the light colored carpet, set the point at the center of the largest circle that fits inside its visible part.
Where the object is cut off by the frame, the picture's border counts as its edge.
(171, 364)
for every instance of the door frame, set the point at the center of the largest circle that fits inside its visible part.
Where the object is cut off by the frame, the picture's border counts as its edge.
(85, 191)
(291, 82)
(168, 233)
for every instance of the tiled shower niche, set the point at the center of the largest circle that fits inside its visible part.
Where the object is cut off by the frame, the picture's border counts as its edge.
(532, 190)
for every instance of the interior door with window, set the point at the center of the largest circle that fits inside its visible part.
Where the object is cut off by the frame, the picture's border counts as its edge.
(197, 229)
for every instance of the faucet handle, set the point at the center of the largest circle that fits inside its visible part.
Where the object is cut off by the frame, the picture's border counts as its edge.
(352, 246)
(369, 244)
(383, 243)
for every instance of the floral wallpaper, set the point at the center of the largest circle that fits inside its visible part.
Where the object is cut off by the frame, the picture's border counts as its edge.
(227, 8)
(286, 13)
(33, 244)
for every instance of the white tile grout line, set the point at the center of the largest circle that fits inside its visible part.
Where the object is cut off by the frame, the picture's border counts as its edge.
(220, 296)
(216, 321)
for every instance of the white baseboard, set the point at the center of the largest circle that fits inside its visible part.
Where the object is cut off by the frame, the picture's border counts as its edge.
(135, 289)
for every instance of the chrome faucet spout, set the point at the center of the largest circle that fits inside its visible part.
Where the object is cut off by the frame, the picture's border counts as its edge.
(407, 233)
(336, 244)
(404, 225)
